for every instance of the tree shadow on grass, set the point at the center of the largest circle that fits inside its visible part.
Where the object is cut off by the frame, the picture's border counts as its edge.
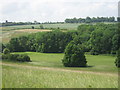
(89, 66)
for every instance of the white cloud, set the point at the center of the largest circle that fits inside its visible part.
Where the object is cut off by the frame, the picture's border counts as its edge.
(55, 10)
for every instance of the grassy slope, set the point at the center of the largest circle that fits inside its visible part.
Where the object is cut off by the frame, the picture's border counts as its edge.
(96, 63)
(31, 77)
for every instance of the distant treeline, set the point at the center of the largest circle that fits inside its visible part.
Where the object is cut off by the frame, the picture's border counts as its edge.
(16, 23)
(90, 20)
(26, 23)
(68, 20)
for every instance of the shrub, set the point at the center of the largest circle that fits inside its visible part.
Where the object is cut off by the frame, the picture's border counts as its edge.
(16, 57)
(23, 58)
(5, 57)
(33, 27)
(41, 27)
(13, 57)
(74, 56)
(6, 51)
(117, 61)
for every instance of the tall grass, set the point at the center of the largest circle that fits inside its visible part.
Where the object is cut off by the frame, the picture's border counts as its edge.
(19, 76)
(14, 77)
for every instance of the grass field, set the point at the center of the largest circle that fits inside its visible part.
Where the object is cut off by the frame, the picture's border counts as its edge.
(47, 71)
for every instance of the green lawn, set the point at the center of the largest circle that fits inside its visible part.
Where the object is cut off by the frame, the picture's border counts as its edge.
(47, 71)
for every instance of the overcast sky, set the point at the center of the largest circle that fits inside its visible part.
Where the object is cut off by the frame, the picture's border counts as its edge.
(55, 10)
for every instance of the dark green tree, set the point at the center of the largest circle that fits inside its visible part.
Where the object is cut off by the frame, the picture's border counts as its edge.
(74, 55)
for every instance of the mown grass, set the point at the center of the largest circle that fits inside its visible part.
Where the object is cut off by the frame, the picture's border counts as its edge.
(97, 63)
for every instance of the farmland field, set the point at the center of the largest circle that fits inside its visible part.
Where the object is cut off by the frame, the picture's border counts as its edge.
(9, 32)
(47, 71)
(7, 35)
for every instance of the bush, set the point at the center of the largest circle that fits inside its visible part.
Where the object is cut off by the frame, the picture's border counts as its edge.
(5, 57)
(117, 61)
(6, 51)
(23, 58)
(33, 27)
(41, 27)
(16, 57)
(13, 57)
(74, 56)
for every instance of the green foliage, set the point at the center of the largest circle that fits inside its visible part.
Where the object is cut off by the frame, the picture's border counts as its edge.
(16, 57)
(23, 58)
(103, 39)
(41, 27)
(5, 57)
(117, 61)
(6, 51)
(2, 47)
(99, 39)
(74, 55)
(90, 20)
(49, 42)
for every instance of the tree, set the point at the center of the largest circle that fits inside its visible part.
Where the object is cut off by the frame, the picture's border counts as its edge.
(74, 55)
(88, 20)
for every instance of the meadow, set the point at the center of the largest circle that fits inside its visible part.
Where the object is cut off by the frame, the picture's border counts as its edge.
(47, 71)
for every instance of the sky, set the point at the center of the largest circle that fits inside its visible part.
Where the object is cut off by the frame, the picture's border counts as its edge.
(55, 10)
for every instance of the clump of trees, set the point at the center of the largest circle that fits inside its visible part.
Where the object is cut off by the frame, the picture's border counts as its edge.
(90, 20)
(45, 42)
(100, 38)
(74, 55)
